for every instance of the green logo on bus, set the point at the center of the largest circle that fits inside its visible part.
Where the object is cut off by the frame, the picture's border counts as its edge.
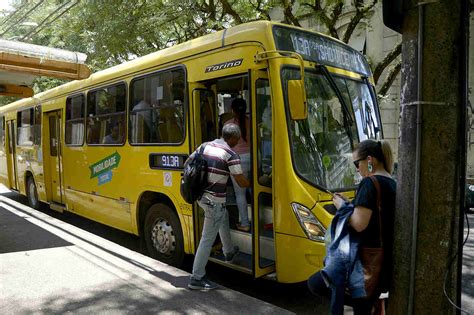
(105, 165)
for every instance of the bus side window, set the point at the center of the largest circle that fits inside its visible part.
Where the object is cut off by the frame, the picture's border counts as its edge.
(157, 107)
(208, 123)
(264, 129)
(75, 114)
(106, 111)
(2, 133)
(25, 129)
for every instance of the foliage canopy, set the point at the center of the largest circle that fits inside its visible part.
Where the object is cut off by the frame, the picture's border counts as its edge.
(113, 31)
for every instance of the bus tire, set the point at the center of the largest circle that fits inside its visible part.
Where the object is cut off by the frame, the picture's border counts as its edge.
(32, 193)
(164, 235)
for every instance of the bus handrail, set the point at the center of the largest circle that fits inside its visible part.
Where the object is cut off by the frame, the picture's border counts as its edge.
(281, 53)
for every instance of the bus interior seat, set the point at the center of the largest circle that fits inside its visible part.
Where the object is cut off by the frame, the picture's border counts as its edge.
(169, 129)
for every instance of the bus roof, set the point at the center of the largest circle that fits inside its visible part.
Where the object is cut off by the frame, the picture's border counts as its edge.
(257, 32)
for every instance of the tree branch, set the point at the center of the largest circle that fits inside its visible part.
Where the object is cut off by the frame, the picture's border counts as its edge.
(227, 8)
(390, 78)
(262, 11)
(391, 56)
(361, 13)
(320, 12)
(287, 11)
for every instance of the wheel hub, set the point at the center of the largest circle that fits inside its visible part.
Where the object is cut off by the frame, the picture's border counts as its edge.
(163, 237)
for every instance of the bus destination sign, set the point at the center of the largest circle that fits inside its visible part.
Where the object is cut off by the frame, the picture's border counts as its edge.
(167, 161)
(320, 49)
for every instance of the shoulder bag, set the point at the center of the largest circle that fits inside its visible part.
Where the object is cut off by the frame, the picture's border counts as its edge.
(372, 258)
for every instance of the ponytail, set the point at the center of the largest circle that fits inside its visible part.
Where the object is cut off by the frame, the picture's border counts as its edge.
(387, 156)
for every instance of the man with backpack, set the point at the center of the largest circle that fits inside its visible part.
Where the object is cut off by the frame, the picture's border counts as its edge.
(222, 161)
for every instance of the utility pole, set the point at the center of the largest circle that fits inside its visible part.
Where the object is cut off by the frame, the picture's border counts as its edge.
(431, 168)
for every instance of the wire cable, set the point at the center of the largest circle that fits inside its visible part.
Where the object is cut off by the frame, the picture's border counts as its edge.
(450, 265)
(12, 14)
(22, 18)
(42, 23)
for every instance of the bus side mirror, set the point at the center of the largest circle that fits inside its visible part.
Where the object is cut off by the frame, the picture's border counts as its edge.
(297, 100)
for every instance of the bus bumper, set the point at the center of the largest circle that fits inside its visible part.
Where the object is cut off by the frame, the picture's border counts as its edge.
(297, 258)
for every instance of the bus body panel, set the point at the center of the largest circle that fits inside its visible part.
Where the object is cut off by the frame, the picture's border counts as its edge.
(10, 148)
(310, 258)
(4, 177)
(116, 185)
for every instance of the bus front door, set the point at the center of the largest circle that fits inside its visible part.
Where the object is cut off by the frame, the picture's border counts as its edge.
(263, 234)
(11, 158)
(52, 156)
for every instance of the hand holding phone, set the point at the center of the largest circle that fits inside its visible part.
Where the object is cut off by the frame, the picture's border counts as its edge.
(339, 200)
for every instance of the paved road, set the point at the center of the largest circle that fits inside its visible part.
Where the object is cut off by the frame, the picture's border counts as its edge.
(48, 266)
(294, 297)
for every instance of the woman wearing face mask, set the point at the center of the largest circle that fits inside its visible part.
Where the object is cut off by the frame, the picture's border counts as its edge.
(371, 221)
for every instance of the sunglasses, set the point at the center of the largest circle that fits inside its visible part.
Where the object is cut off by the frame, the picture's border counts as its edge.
(356, 162)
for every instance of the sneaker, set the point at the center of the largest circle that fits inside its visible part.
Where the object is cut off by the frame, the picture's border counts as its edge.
(243, 228)
(230, 256)
(203, 284)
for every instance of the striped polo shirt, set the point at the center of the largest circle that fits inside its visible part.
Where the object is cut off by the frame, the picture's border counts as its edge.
(221, 162)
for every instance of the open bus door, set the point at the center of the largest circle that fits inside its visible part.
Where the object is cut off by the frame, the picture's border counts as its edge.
(203, 123)
(263, 235)
(211, 109)
(11, 157)
(53, 156)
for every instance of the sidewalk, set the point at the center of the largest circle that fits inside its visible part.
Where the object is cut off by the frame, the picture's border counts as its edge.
(48, 266)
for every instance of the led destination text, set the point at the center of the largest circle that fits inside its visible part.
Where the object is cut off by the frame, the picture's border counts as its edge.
(320, 49)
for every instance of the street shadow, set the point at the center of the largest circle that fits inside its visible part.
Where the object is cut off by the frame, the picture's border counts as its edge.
(124, 239)
(17, 234)
(139, 297)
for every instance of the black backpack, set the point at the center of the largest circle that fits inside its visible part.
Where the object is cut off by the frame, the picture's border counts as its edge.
(194, 178)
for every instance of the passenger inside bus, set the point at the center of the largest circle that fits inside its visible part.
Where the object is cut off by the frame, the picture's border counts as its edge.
(265, 140)
(240, 118)
(114, 137)
(142, 118)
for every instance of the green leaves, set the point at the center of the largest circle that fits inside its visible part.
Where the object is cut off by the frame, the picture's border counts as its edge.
(111, 32)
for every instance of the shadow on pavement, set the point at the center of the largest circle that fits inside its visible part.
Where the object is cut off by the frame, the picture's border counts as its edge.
(17, 234)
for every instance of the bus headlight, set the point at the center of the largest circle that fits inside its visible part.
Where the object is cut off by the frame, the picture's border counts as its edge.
(313, 229)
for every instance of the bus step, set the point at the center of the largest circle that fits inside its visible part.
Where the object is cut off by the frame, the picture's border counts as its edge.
(271, 276)
(244, 241)
(242, 262)
(57, 207)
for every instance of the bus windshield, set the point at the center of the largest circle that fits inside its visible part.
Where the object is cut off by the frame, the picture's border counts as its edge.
(322, 144)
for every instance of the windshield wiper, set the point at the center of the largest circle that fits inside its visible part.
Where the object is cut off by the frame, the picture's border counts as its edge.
(348, 122)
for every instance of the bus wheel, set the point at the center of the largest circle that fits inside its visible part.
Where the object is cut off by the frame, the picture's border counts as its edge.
(163, 235)
(32, 193)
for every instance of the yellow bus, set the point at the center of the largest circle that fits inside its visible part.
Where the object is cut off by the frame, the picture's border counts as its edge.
(111, 147)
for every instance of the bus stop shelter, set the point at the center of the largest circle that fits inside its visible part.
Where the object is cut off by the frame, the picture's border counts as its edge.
(21, 63)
